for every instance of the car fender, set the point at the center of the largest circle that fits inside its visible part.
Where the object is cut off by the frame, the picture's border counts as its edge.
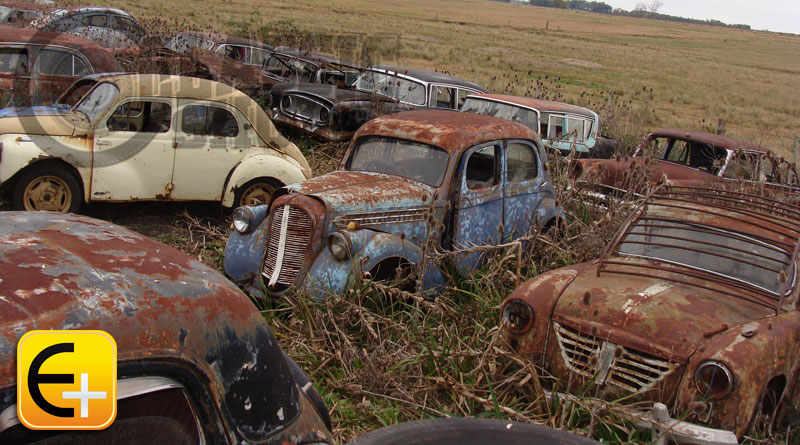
(262, 165)
(755, 352)
(328, 275)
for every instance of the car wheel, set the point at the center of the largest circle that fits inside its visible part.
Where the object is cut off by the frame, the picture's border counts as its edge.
(258, 191)
(47, 188)
(467, 431)
(305, 384)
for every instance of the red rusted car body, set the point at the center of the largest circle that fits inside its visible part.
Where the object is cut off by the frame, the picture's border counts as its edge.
(683, 158)
(693, 304)
(37, 66)
(196, 362)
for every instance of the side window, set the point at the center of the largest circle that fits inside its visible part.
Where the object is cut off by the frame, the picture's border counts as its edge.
(14, 60)
(482, 168)
(209, 121)
(141, 116)
(444, 97)
(54, 63)
(522, 162)
(96, 20)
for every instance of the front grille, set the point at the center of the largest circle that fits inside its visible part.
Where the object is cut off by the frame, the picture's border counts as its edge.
(613, 364)
(304, 108)
(292, 225)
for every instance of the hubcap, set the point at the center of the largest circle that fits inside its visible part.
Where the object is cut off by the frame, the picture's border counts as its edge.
(48, 193)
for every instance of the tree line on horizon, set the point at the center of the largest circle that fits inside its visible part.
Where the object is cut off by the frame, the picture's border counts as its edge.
(648, 11)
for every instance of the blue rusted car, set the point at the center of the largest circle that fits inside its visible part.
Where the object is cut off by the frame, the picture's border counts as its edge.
(459, 179)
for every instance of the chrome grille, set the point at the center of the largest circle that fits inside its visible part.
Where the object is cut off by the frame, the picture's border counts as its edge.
(304, 108)
(296, 237)
(613, 364)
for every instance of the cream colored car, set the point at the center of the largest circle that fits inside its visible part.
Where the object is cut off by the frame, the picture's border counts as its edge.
(145, 137)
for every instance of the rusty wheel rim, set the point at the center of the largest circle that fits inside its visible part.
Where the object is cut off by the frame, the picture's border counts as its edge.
(47, 193)
(255, 194)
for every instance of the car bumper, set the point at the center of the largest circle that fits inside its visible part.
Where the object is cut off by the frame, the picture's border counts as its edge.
(319, 132)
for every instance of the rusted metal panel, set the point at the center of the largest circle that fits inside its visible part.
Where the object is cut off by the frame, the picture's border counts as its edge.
(694, 275)
(160, 305)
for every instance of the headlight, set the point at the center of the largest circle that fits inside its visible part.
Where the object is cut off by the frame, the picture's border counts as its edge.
(340, 246)
(713, 379)
(324, 114)
(243, 219)
(518, 316)
(286, 102)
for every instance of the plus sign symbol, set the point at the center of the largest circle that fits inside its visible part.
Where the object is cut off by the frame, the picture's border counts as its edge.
(50, 397)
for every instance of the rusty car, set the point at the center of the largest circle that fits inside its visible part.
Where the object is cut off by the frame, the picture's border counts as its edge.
(680, 157)
(693, 304)
(37, 66)
(564, 127)
(110, 27)
(146, 137)
(196, 362)
(334, 114)
(286, 64)
(460, 179)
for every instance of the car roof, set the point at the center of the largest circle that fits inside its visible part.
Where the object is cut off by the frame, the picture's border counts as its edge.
(450, 130)
(75, 272)
(429, 76)
(539, 104)
(159, 85)
(712, 139)
(226, 39)
(98, 56)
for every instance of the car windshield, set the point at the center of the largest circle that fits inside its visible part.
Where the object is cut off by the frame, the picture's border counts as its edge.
(391, 85)
(400, 157)
(98, 100)
(707, 248)
(524, 116)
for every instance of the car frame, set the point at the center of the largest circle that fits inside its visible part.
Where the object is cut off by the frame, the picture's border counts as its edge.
(34, 79)
(692, 304)
(55, 158)
(334, 114)
(584, 138)
(433, 175)
(191, 348)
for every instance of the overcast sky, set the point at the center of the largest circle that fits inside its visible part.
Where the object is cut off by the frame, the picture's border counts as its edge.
(773, 15)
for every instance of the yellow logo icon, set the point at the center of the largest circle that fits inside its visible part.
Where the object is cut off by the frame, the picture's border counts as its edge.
(66, 380)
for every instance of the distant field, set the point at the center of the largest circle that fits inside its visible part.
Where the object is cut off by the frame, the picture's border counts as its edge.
(697, 73)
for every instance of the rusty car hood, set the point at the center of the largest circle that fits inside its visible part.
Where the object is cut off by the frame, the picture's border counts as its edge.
(346, 191)
(664, 318)
(51, 121)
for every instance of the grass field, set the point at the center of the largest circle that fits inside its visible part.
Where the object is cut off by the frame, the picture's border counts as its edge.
(697, 74)
(378, 365)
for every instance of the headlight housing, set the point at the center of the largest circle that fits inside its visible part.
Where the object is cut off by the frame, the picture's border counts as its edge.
(713, 379)
(340, 246)
(243, 219)
(518, 316)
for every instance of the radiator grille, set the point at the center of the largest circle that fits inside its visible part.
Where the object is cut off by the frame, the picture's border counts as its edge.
(296, 238)
(613, 364)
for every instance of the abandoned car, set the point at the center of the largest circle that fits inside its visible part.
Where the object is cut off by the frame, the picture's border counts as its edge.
(334, 114)
(287, 64)
(109, 27)
(37, 66)
(196, 362)
(684, 158)
(232, 60)
(692, 304)
(146, 137)
(458, 179)
(567, 128)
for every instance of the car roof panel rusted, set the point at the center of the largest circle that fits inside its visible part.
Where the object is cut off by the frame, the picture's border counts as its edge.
(99, 57)
(450, 130)
(539, 104)
(716, 140)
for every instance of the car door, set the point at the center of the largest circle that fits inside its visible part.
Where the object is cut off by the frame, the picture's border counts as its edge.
(55, 71)
(522, 192)
(211, 140)
(133, 151)
(17, 87)
(479, 206)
